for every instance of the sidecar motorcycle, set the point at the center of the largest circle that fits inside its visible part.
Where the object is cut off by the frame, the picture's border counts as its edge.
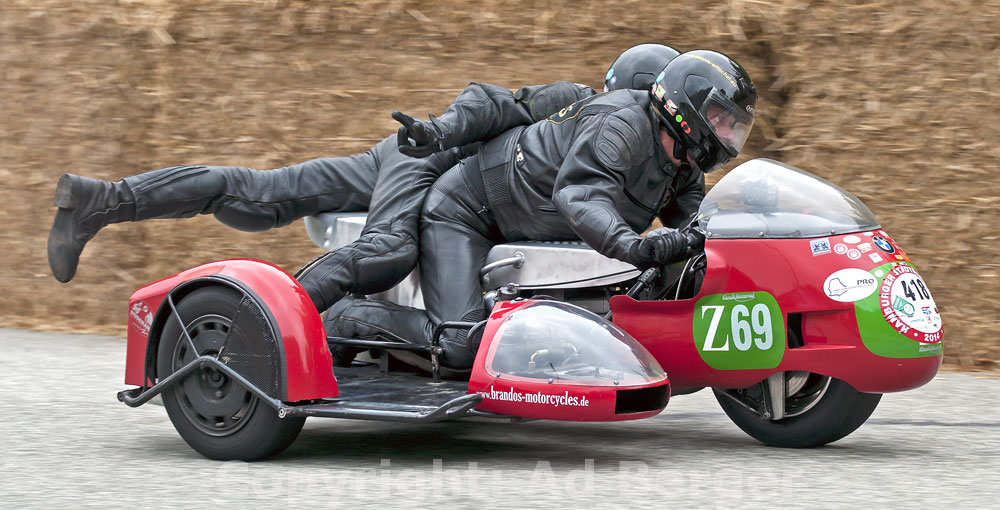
(799, 314)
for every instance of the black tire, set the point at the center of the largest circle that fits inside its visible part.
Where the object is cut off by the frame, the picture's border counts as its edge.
(216, 416)
(839, 411)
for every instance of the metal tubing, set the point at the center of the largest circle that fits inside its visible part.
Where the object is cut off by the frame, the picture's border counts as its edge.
(455, 408)
(202, 361)
(439, 329)
(517, 261)
(378, 344)
(144, 396)
(177, 315)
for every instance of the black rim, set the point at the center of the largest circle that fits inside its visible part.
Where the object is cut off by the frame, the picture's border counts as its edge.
(211, 401)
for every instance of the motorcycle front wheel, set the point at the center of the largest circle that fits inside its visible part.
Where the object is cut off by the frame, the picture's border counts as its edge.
(819, 410)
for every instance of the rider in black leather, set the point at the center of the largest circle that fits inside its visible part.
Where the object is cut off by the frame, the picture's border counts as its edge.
(599, 170)
(470, 121)
(383, 181)
(387, 249)
(392, 187)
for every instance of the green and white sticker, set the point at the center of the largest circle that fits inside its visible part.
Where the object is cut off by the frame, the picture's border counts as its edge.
(901, 320)
(739, 331)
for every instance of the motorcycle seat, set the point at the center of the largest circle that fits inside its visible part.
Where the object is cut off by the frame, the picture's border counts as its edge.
(526, 264)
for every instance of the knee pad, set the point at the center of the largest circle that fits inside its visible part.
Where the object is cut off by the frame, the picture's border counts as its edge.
(243, 204)
(375, 263)
(382, 261)
(247, 218)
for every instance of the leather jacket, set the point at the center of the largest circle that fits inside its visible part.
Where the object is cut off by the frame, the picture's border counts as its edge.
(595, 170)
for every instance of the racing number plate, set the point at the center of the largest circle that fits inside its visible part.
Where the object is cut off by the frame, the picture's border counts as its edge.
(739, 330)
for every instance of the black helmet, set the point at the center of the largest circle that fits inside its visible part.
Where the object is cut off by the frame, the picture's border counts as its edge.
(706, 102)
(636, 67)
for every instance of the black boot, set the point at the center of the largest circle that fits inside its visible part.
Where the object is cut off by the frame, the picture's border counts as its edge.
(85, 207)
(369, 319)
(376, 319)
(343, 355)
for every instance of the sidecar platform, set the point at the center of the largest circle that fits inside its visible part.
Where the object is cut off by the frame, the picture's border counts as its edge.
(369, 393)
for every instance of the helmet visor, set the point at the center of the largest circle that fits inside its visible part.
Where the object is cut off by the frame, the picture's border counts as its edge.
(729, 122)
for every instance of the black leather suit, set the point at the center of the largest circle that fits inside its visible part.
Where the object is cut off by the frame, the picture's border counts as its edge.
(595, 170)
(389, 185)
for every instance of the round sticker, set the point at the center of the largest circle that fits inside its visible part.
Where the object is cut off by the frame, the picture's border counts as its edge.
(883, 244)
(853, 254)
(850, 285)
(852, 239)
(908, 307)
(840, 248)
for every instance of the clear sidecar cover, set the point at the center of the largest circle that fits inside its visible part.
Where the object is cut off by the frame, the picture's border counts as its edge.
(553, 360)
(767, 199)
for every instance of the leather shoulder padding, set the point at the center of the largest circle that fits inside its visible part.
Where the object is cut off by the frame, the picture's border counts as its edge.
(546, 100)
(618, 139)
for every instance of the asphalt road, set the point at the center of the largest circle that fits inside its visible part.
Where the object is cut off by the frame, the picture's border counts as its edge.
(67, 442)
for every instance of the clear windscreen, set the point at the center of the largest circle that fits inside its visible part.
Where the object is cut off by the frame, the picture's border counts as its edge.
(764, 198)
(561, 343)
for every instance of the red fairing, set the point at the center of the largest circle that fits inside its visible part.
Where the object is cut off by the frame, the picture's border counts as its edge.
(547, 399)
(308, 363)
(787, 269)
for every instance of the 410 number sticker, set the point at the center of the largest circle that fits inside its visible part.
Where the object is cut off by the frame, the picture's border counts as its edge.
(900, 319)
(908, 306)
(739, 331)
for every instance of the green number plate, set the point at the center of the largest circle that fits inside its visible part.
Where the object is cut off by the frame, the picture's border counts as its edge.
(739, 331)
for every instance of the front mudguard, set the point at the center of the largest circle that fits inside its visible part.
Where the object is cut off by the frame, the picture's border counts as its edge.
(305, 364)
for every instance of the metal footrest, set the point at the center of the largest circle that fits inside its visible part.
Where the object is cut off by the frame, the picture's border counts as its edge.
(385, 411)
(367, 394)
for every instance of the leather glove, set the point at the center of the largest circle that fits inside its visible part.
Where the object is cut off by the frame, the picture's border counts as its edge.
(664, 246)
(418, 138)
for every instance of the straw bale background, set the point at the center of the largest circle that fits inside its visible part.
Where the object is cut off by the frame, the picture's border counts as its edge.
(895, 101)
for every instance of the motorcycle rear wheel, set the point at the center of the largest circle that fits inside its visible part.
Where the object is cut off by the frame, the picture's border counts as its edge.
(837, 412)
(215, 415)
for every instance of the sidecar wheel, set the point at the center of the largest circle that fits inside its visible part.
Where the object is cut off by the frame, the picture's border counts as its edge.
(215, 415)
(824, 409)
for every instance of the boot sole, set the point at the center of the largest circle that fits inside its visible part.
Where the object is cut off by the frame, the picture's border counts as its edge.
(63, 198)
(62, 261)
(60, 236)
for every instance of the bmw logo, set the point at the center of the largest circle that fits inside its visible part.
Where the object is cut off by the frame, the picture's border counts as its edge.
(883, 244)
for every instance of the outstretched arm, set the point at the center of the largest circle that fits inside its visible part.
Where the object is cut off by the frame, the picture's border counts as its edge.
(483, 111)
